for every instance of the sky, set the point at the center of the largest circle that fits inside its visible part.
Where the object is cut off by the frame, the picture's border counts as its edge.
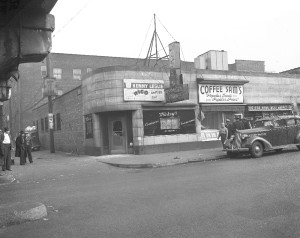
(264, 30)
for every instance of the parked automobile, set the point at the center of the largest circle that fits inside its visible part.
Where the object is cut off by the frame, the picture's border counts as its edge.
(35, 141)
(267, 134)
(32, 130)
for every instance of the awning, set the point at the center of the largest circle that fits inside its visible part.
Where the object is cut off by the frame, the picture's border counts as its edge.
(223, 107)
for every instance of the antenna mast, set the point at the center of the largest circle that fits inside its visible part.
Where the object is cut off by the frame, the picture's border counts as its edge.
(155, 56)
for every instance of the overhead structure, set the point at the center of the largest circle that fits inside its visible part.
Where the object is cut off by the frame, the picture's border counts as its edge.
(25, 34)
(154, 43)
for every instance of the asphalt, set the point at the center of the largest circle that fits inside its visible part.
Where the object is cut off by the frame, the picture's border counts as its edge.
(17, 213)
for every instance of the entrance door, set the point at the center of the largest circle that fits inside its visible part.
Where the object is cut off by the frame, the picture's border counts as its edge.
(117, 135)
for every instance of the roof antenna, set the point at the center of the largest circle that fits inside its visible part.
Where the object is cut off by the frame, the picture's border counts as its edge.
(154, 42)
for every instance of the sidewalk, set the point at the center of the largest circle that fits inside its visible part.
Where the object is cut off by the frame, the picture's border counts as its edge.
(162, 159)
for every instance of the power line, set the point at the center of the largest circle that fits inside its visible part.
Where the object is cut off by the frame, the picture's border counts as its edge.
(72, 18)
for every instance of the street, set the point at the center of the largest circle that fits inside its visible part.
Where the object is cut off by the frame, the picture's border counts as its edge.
(226, 198)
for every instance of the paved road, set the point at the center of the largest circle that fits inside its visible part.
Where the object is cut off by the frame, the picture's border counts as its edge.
(226, 198)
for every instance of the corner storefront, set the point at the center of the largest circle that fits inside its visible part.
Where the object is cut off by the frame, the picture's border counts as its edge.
(125, 112)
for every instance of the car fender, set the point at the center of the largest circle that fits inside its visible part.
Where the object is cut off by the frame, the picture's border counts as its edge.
(267, 145)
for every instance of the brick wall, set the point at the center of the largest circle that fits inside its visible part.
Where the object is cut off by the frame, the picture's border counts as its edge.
(71, 136)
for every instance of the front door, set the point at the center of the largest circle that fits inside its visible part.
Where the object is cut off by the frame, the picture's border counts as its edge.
(117, 135)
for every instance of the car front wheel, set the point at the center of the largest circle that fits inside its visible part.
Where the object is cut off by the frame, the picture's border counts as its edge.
(257, 149)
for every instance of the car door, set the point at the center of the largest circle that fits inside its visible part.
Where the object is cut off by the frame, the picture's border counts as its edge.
(279, 133)
(292, 131)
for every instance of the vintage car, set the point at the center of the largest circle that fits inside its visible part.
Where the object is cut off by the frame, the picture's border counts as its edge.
(267, 134)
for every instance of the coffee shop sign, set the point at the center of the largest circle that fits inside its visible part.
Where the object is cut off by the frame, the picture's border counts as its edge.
(212, 93)
(143, 90)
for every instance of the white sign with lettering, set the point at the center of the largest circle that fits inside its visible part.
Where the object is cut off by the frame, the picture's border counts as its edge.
(214, 93)
(143, 90)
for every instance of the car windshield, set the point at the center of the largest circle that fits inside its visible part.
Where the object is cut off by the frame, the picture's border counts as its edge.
(265, 123)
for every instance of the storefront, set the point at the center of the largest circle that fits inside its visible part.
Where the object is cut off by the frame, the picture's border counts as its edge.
(126, 113)
(218, 100)
(257, 111)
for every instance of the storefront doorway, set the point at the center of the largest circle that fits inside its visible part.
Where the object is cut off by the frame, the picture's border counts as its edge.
(117, 132)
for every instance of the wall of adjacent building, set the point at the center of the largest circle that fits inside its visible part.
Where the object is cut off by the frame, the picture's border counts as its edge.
(70, 137)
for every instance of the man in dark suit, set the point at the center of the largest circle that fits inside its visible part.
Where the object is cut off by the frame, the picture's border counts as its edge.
(238, 124)
(230, 128)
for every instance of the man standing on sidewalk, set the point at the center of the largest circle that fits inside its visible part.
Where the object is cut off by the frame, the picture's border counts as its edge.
(6, 149)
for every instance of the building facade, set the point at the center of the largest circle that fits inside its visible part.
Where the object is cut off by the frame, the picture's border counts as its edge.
(123, 109)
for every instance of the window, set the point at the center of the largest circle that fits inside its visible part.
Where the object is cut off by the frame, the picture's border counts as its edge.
(43, 71)
(77, 74)
(57, 73)
(37, 125)
(46, 124)
(42, 124)
(89, 70)
(58, 122)
(290, 122)
(169, 123)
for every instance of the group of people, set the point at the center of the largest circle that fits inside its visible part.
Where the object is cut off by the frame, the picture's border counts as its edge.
(229, 129)
(23, 145)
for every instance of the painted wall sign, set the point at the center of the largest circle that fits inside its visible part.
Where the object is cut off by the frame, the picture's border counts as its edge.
(168, 122)
(265, 108)
(213, 93)
(143, 90)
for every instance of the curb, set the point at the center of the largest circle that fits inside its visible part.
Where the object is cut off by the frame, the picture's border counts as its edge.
(21, 212)
(159, 165)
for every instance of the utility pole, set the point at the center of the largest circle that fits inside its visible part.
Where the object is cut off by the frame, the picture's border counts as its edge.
(50, 105)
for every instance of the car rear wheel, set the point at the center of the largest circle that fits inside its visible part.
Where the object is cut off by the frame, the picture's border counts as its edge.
(257, 149)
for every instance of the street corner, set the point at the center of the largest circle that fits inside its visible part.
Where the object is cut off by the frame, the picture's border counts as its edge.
(18, 213)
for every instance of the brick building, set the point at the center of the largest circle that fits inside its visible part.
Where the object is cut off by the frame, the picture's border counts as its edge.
(104, 110)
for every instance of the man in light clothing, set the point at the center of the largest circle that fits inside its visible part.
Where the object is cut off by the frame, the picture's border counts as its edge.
(6, 149)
